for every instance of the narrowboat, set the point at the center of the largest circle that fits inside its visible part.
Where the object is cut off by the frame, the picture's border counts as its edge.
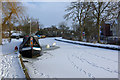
(30, 47)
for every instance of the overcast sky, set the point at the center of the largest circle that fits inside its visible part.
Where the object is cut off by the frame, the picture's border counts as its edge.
(48, 13)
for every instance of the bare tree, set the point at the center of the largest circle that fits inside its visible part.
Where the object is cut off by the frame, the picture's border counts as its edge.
(100, 11)
(103, 11)
(77, 11)
(41, 26)
(75, 27)
(26, 26)
(63, 27)
(10, 11)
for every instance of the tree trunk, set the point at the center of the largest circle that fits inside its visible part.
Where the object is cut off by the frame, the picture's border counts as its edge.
(0, 23)
(81, 38)
(98, 30)
(10, 28)
(7, 18)
(81, 32)
(98, 25)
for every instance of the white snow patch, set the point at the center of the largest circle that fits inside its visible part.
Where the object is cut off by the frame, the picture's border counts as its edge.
(9, 62)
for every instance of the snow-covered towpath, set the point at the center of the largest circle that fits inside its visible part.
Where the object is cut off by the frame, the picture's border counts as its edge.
(73, 61)
(9, 62)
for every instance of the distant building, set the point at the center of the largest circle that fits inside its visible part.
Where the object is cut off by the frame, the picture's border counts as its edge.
(110, 28)
(111, 32)
(114, 28)
(106, 31)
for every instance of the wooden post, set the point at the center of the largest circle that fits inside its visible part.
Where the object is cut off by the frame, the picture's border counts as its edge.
(24, 69)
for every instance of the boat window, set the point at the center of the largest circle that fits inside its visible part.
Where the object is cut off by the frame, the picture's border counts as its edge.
(35, 44)
(27, 44)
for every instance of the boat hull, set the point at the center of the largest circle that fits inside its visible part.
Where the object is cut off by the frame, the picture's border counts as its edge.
(30, 53)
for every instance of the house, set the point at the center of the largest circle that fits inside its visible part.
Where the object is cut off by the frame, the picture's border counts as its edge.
(114, 28)
(106, 30)
(111, 32)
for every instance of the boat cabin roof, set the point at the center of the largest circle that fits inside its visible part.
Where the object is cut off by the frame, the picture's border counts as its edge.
(27, 38)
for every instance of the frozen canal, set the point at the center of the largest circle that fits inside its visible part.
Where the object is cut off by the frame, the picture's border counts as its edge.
(73, 61)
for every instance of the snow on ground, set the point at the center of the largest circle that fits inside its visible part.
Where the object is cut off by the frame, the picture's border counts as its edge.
(73, 61)
(5, 41)
(16, 34)
(9, 63)
(95, 44)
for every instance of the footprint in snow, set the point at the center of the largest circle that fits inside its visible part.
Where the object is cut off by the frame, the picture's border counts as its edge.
(77, 67)
(89, 74)
(80, 69)
(84, 71)
(41, 74)
(47, 76)
(35, 71)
